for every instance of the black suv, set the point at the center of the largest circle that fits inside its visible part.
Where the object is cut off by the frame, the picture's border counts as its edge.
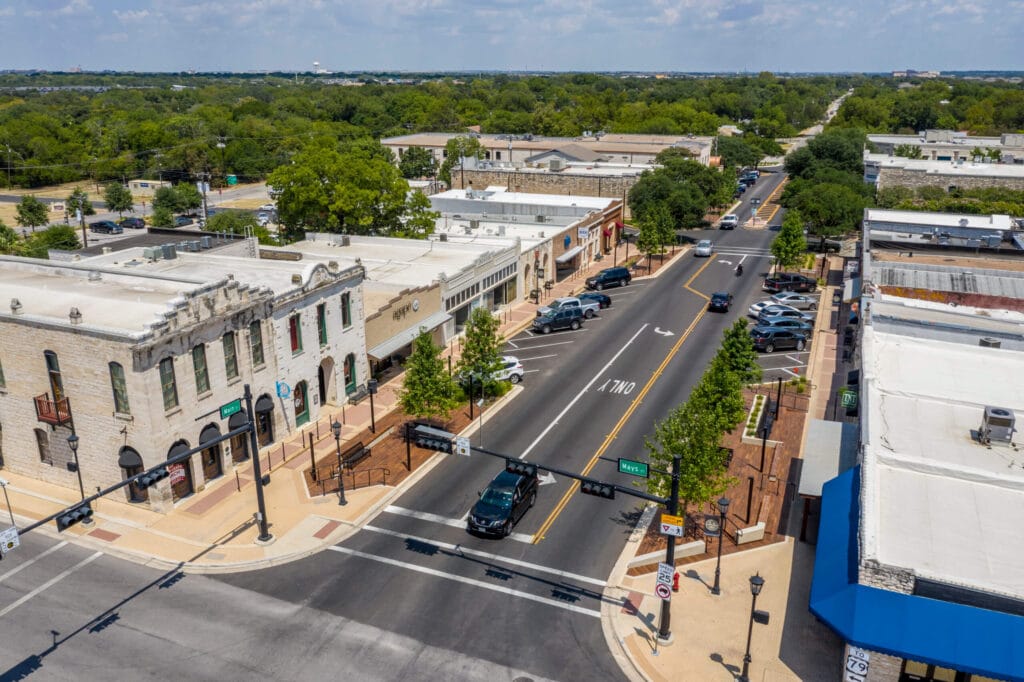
(770, 339)
(133, 223)
(502, 504)
(788, 281)
(105, 227)
(609, 277)
(570, 318)
(720, 300)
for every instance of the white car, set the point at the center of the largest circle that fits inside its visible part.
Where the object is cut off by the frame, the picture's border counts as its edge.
(511, 370)
(268, 207)
(704, 248)
(755, 310)
(263, 219)
(796, 300)
(729, 221)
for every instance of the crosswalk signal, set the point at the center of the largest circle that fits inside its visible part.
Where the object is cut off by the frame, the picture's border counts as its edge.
(514, 466)
(598, 489)
(151, 477)
(73, 516)
(434, 439)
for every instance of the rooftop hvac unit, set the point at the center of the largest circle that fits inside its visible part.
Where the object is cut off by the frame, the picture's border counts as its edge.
(170, 252)
(346, 240)
(996, 425)
(443, 237)
(193, 245)
(556, 164)
(474, 224)
(989, 342)
(151, 252)
(541, 219)
(501, 230)
(468, 229)
(205, 243)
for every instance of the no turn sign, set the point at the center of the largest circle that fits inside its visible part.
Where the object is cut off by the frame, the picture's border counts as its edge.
(663, 591)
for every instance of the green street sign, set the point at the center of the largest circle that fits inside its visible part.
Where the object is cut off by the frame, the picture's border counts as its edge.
(849, 399)
(628, 466)
(228, 409)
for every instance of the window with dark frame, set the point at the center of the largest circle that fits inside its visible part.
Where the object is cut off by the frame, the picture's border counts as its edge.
(321, 323)
(295, 333)
(256, 343)
(346, 310)
(201, 371)
(168, 386)
(120, 388)
(230, 355)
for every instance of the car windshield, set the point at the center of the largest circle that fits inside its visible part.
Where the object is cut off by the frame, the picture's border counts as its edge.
(497, 497)
(703, 243)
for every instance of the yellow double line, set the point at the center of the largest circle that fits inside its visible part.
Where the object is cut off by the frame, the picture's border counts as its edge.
(562, 503)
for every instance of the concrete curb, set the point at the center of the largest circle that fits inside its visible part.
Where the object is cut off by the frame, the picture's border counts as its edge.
(613, 592)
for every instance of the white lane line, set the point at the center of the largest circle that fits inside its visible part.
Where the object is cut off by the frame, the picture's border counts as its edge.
(512, 344)
(539, 357)
(530, 371)
(50, 583)
(486, 555)
(467, 581)
(548, 345)
(579, 395)
(28, 563)
(795, 359)
(444, 520)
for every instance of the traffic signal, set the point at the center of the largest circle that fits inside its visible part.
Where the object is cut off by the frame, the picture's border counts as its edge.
(514, 466)
(151, 477)
(605, 490)
(433, 439)
(73, 516)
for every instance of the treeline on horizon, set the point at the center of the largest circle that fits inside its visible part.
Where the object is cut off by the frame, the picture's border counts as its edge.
(141, 127)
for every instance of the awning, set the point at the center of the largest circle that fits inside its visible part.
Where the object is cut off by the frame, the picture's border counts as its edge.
(971, 639)
(264, 404)
(209, 433)
(404, 338)
(851, 290)
(830, 449)
(129, 458)
(237, 421)
(569, 255)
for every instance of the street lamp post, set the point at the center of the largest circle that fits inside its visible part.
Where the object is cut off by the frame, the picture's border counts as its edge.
(73, 444)
(336, 429)
(371, 386)
(723, 507)
(756, 583)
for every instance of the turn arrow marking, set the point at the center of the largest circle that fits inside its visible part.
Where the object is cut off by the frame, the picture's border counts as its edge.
(657, 330)
(547, 478)
(727, 262)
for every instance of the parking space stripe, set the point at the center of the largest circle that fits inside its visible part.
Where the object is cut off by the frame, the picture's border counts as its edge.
(487, 555)
(548, 345)
(444, 520)
(50, 583)
(31, 561)
(468, 581)
(539, 357)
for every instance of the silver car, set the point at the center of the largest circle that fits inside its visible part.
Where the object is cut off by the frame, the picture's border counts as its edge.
(704, 248)
(797, 300)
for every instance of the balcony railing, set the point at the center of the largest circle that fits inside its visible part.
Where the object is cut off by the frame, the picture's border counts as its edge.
(55, 412)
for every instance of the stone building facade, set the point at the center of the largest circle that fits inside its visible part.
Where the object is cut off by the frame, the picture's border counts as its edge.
(541, 181)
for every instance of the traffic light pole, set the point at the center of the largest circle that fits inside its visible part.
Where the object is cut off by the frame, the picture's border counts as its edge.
(665, 628)
(261, 508)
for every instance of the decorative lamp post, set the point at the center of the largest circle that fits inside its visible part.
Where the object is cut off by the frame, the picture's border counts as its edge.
(756, 583)
(336, 429)
(73, 444)
(723, 507)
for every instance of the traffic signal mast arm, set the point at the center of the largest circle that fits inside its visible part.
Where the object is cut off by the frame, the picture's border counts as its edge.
(128, 481)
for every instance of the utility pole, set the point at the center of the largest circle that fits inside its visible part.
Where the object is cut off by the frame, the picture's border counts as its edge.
(665, 628)
(261, 506)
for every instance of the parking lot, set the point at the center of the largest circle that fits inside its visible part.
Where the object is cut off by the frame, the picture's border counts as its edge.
(784, 364)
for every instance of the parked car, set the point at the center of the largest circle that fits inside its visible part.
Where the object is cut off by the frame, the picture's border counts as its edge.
(740, 188)
(587, 308)
(105, 227)
(782, 311)
(788, 281)
(704, 248)
(182, 220)
(770, 340)
(269, 208)
(795, 300)
(571, 318)
(609, 277)
(502, 504)
(603, 300)
(133, 223)
(784, 322)
(729, 222)
(511, 371)
(263, 219)
(720, 300)
(755, 309)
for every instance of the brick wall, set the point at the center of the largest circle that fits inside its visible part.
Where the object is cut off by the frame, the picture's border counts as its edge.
(610, 186)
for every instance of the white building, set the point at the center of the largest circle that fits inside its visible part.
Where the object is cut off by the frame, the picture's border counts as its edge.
(930, 230)
(885, 171)
(951, 145)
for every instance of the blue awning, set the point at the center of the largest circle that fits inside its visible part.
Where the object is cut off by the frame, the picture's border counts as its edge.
(957, 636)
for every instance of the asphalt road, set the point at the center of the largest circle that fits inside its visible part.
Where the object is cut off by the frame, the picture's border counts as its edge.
(414, 595)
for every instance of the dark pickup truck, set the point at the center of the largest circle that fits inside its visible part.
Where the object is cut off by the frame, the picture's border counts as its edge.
(570, 318)
(787, 281)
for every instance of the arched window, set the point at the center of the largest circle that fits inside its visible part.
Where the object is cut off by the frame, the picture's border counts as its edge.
(53, 370)
(120, 389)
(131, 465)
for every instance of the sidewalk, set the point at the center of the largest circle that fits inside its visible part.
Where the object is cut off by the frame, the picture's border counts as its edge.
(709, 632)
(215, 531)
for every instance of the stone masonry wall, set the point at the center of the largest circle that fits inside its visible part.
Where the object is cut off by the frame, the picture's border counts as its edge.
(901, 177)
(886, 577)
(608, 186)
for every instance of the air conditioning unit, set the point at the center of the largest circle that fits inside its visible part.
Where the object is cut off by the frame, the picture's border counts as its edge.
(205, 242)
(151, 252)
(501, 230)
(474, 224)
(442, 237)
(556, 164)
(346, 240)
(170, 252)
(997, 425)
(541, 219)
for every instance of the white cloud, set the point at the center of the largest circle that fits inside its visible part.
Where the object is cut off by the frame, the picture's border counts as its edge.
(75, 7)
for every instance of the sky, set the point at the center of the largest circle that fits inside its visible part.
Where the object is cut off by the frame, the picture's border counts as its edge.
(512, 35)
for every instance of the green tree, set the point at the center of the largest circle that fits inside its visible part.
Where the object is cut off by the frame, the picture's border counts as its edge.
(188, 197)
(9, 240)
(481, 350)
(830, 209)
(892, 197)
(78, 204)
(57, 237)
(455, 150)
(118, 198)
(419, 221)
(162, 217)
(908, 151)
(239, 222)
(427, 389)
(735, 151)
(694, 435)
(417, 162)
(789, 244)
(31, 212)
(720, 393)
(737, 351)
(656, 230)
(165, 199)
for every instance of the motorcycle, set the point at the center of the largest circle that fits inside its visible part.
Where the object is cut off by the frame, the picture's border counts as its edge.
(739, 269)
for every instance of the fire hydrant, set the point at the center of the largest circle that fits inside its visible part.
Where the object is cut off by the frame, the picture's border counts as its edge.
(675, 582)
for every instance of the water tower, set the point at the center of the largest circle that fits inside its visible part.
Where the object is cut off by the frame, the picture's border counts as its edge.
(316, 67)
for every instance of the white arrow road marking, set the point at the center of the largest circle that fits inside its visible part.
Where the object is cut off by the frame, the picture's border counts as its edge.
(727, 262)
(547, 478)
(658, 330)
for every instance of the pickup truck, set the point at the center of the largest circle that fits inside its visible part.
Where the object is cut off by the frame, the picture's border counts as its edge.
(570, 318)
(587, 308)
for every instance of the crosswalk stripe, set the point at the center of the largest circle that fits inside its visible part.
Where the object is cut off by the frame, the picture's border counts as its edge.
(444, 520)
(31, 561)
(50, 583)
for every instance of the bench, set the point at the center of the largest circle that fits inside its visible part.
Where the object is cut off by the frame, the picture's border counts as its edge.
(355, 454)
(752, 534)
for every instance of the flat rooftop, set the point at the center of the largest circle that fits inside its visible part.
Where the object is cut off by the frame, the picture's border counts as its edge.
(933, 219)
(936, 501)
(520, 203)
(959, 140)
(946, 168)
(607, 143)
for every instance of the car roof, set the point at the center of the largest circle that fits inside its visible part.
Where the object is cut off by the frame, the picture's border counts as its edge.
(720, 293)
(703, 242)
(505, 480)
(509, 358)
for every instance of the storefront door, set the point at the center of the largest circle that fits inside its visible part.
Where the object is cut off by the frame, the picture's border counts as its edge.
(239, 443)
(181, 473)
(210, 457)
(301, 403)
